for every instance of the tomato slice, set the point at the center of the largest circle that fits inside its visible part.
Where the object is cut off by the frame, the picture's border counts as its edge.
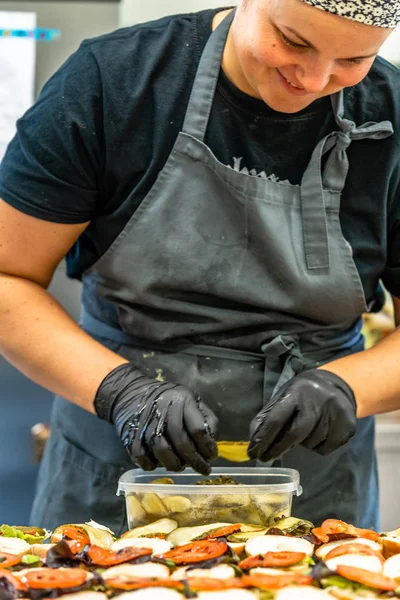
(373, 580)
(212, 585)
(107, 558)
(196, 551)
(54, 578)
(224, 531)
(274, 582)
(73, 532)
(353, 548)
(272, 559)
(333, 529)
(368, 534)
(137, 583)
(17, 583)
(8, 560)
(75, 545)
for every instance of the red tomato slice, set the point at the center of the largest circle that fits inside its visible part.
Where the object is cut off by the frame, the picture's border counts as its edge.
(210, 585)
(107, 558)
(196, 551)
(333, 529)
(73, 532)
(368, 534)
(272, 559)
(75, 546)
(353, 548)
(224, 531)
(373, 580)
(17, 583)
(137, 583)
(322, 537)
(54, 578)
(8, 560)
(274, 582)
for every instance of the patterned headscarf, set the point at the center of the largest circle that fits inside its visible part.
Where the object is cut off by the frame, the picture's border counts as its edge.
(379, 13)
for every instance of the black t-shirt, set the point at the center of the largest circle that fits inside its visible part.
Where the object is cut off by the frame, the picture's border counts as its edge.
(106, 122)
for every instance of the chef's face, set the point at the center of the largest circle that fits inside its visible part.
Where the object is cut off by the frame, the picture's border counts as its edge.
(289, 53)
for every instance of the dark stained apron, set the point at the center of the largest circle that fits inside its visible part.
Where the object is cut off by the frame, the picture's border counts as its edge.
(230, 284)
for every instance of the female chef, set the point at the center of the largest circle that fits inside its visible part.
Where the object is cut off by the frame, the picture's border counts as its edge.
(226, 184)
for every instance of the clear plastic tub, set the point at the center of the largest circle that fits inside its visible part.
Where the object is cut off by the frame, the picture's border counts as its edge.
(261, 496)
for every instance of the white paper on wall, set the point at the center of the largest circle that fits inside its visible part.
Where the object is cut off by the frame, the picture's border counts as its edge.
(391, 48)
(17, 72)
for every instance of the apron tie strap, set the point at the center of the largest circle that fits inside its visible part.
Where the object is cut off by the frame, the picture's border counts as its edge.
(334, 178)
(203, 91)
(337, 165)
(283, 360)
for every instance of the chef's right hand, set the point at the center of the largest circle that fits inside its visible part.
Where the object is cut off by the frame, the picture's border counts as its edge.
(159, 423)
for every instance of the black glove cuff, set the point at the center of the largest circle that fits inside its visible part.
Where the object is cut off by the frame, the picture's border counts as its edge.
(110, 387)
(341, 384)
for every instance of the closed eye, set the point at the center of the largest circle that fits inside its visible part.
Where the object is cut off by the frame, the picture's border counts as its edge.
(357, 60)
(354, 61)
(289, 42)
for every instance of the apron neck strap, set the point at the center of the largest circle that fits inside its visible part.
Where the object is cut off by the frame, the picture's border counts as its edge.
(205, 83)
(333, 179)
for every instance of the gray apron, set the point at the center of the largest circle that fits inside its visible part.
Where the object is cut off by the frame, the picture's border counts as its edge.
(230, 284)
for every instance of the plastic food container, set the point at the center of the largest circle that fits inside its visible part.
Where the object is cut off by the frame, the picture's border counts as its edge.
(260, 496)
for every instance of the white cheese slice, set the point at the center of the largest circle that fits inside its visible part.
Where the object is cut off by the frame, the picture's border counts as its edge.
(85, 596)
(218, 572)
(267, 571)
(323, 550)
(40, 549)
(362, 561)
(391, 567)
(147, 569)
(157, 545)
(277, 543)
(227, 595)
(302, 592)
(13, 545)
(150, 593)
(347, 594)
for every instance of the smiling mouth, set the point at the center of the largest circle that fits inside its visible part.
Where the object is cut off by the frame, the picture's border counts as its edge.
(298, 87)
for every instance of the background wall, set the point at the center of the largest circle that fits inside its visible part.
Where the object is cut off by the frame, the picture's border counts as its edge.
(77, 21)
(391, 49)
(137, 11)
(22, 403)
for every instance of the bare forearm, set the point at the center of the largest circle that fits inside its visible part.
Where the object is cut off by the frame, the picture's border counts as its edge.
(374, 376)
(41, 340)
(396, 303)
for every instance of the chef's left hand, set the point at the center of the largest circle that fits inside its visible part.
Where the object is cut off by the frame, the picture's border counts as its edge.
(316, 409)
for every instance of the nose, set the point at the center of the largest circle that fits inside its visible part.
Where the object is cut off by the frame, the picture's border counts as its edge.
(314, 76)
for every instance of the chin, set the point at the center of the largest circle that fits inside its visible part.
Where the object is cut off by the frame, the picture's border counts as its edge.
(287, 105)
(288, 108)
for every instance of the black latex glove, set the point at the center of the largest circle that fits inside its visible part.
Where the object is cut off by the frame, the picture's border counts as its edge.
(316, 409)
(159, 423)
